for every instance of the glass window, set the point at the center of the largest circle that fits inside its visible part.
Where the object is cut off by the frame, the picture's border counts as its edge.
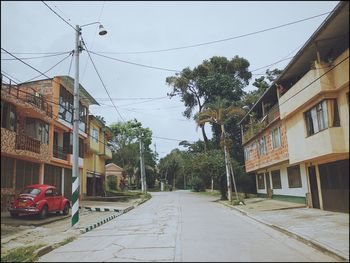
(261, 182)
(276, 179)
(66, 102)
(8, 116)
(31, 191)
(294, 177)
(95, 134)
(82, 117)
(324, 115)
(276, 138)
(262, 146)
(27, 173)
(37, 129)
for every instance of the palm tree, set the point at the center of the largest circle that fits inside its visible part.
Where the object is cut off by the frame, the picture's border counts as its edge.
(218, 112)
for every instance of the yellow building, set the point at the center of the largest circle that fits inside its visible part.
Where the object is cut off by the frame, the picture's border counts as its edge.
(96, 154)
(312, 94)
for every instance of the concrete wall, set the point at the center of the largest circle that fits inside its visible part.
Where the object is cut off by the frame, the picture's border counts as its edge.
(301, 192)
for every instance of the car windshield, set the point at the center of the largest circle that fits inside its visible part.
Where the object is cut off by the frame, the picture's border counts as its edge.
(31, 191)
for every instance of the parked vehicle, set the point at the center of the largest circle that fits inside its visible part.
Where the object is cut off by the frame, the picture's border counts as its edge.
(39, 199)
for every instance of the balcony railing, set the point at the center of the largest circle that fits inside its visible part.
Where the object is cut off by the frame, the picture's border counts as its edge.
(37, 101)
(59, 152)
(24, 142)
(257, 126)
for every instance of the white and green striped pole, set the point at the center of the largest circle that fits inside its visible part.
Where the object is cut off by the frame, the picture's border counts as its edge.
(75, 170)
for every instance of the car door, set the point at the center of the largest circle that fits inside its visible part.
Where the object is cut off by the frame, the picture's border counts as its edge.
(49, 196)
(58, 199)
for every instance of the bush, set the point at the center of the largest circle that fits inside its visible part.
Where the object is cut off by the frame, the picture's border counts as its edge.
(111, 182)
(197, 184)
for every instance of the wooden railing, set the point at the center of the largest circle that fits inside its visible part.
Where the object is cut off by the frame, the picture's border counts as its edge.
(37, 101)
(24, 142)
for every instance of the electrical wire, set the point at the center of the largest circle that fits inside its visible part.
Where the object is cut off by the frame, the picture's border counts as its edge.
(104, 86)
(220, 40)
(51, 67)
(27, 58)
(59, 16)
(135, 64)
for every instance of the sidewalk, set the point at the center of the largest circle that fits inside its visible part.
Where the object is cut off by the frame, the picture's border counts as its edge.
(324, 230)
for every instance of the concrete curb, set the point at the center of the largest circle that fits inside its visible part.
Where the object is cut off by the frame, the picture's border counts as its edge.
(101, 209)
(298, 237)
(100, 223)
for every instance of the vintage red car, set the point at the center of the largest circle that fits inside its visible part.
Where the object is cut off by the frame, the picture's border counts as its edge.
(39, 199)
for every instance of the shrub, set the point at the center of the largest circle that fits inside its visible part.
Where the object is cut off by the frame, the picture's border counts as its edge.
(197, 184)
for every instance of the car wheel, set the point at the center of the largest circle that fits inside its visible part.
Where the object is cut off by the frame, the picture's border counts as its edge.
(66, 209)
(43, 213)
(14, 215)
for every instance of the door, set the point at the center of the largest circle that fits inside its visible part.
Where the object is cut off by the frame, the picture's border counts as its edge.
(313, 187)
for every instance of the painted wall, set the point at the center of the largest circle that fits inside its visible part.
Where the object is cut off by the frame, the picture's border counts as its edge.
(284, 182)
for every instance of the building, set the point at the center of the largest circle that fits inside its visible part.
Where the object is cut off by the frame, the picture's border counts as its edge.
(96, 154)
(296, 136)
(36, 134)
(116, 172)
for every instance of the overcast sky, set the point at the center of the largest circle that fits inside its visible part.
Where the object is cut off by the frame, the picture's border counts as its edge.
(140, 92)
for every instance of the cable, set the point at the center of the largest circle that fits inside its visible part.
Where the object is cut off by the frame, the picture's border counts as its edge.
(59, 16)
(136, 64)
(101, 79)
(53, 55)
(10, 77)
(315, 80)
(133, 98)
(51, 67)
(70, 65)
(36, 53)
(221, 40)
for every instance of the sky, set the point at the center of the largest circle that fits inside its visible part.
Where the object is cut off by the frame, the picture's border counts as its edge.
(133, 27)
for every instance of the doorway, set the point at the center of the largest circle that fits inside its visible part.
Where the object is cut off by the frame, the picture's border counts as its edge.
(313, 187)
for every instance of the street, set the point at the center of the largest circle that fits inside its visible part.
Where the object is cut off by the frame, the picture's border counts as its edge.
(184, 226)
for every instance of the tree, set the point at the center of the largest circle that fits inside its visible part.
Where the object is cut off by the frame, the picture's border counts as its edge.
(219, 112)
(217, 76)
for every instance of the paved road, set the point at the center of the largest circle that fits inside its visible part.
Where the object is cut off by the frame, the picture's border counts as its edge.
(184, 226)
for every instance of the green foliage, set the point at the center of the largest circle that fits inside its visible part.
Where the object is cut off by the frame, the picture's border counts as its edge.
(111, 182)
(197, 184)
(21, 254)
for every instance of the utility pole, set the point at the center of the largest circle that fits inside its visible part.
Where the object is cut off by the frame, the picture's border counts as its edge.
(142, 168)
(75, 168)
(75, 165)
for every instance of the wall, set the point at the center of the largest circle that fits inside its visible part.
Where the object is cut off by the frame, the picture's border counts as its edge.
(273, 156)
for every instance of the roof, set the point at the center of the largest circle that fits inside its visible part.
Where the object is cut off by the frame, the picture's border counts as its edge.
(331, 38)
(40, 186)
(68, 82)
(113, 167)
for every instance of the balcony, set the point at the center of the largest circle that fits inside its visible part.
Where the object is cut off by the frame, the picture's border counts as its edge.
(256, 127)
(36, 101)
(24, 142)
(108, 152)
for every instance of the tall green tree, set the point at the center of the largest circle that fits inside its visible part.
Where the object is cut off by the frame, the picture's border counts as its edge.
(217, 76)
(219, 112)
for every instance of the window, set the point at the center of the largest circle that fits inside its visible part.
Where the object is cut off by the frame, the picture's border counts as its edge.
(248, 151)
(37, 129)
(261, 182)
(262, 146)
(53, 176)
(66, 102)
(324, 115)
(294, 177)
(82, 117)
(95, 134)
(8, 116)
(276, 179)
(276, 138)
(7, 168)
(27, 173)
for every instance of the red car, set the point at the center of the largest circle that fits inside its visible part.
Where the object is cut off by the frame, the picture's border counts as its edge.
(39, 199)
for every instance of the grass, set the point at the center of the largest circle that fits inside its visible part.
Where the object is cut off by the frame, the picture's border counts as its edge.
(66, 241)
(210, 193)
(125, 193)
(21, 254)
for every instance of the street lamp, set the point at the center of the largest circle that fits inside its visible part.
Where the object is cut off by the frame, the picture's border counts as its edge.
(75, 170)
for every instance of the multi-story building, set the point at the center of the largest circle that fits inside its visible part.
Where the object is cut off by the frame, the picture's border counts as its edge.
(296, 136)
(36, 134)
(96, 154)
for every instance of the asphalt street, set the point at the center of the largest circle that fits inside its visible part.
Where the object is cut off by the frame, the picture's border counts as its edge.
(184, 226)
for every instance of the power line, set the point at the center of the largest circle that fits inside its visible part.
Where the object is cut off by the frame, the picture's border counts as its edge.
(149, 98)
(53, 55)
(133, 63)
(101, 80)
(59, 16)
(221, 40)
(315, 80)
(36, 53)
(51, 67)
